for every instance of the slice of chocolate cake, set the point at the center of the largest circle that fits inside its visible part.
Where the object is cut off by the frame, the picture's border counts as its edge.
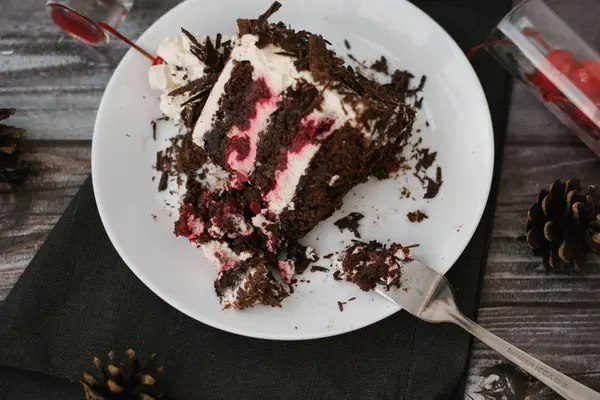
(294, 130)
(371, 264)
(287, 117)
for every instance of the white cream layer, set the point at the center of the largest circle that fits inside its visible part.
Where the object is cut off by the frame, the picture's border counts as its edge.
(279, 73)
(181, 68)
(221, 255)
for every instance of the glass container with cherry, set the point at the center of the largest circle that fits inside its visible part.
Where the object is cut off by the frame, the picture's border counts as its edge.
(559, 67)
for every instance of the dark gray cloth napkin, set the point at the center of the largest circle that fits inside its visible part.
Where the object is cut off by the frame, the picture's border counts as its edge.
(78, 299)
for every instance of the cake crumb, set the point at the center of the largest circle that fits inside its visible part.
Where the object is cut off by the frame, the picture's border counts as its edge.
(336, 275)
(341, 305)
(405, 193)
(350, 222)
(153, 216)
(416, 216)
(381, 66)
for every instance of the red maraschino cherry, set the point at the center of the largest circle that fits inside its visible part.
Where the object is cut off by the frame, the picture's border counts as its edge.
(564, 62)
(587, 77)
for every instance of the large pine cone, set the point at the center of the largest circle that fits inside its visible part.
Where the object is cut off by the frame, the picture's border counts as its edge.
(563, 225)
(128, 380)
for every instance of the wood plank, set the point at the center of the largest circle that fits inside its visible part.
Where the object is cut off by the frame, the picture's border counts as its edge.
(56, 83)
(565, 338)
(28, 213)
(555, 317)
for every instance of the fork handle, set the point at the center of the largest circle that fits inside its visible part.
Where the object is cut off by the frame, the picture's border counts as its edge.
(560, 383)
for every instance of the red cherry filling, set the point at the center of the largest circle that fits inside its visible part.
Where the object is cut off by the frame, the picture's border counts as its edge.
(158, 60)
(586, 76)
(564, 62)
(255, 207)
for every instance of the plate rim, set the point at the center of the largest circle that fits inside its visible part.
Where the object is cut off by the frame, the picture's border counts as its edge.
(489, 131)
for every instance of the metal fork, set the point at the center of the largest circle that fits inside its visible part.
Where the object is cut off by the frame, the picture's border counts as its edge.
(428, 296)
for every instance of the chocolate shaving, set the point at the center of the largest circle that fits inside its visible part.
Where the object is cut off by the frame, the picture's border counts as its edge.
(272, 10)
(318, 268)
(212, 55)
(341, 305)
(350, 222)
(153, 123)
(286, 53)
(419, 103)
(196, 45)
(380, 66)
(347, 44)
(200, 95)
(207, 81)
(425, 159)
(159, 160)
(218, 41)
(162, 185)
(421, 85)
(198, 53)
(433, 187)
(419, 177)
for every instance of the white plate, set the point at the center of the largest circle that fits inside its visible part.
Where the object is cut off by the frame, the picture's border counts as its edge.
(460, 129)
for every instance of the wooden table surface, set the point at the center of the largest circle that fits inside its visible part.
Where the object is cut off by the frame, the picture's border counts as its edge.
(56, 86)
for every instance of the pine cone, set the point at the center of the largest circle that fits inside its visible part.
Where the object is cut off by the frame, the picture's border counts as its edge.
(127, 380)
(10, 149)
(563, 225)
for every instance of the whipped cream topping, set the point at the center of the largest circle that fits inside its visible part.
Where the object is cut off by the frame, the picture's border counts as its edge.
(220, 254)
(261, 222)
(181, 68)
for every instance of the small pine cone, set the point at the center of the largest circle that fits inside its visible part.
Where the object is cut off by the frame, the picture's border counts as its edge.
(10, 149)
(123, 380)
(563, 225)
